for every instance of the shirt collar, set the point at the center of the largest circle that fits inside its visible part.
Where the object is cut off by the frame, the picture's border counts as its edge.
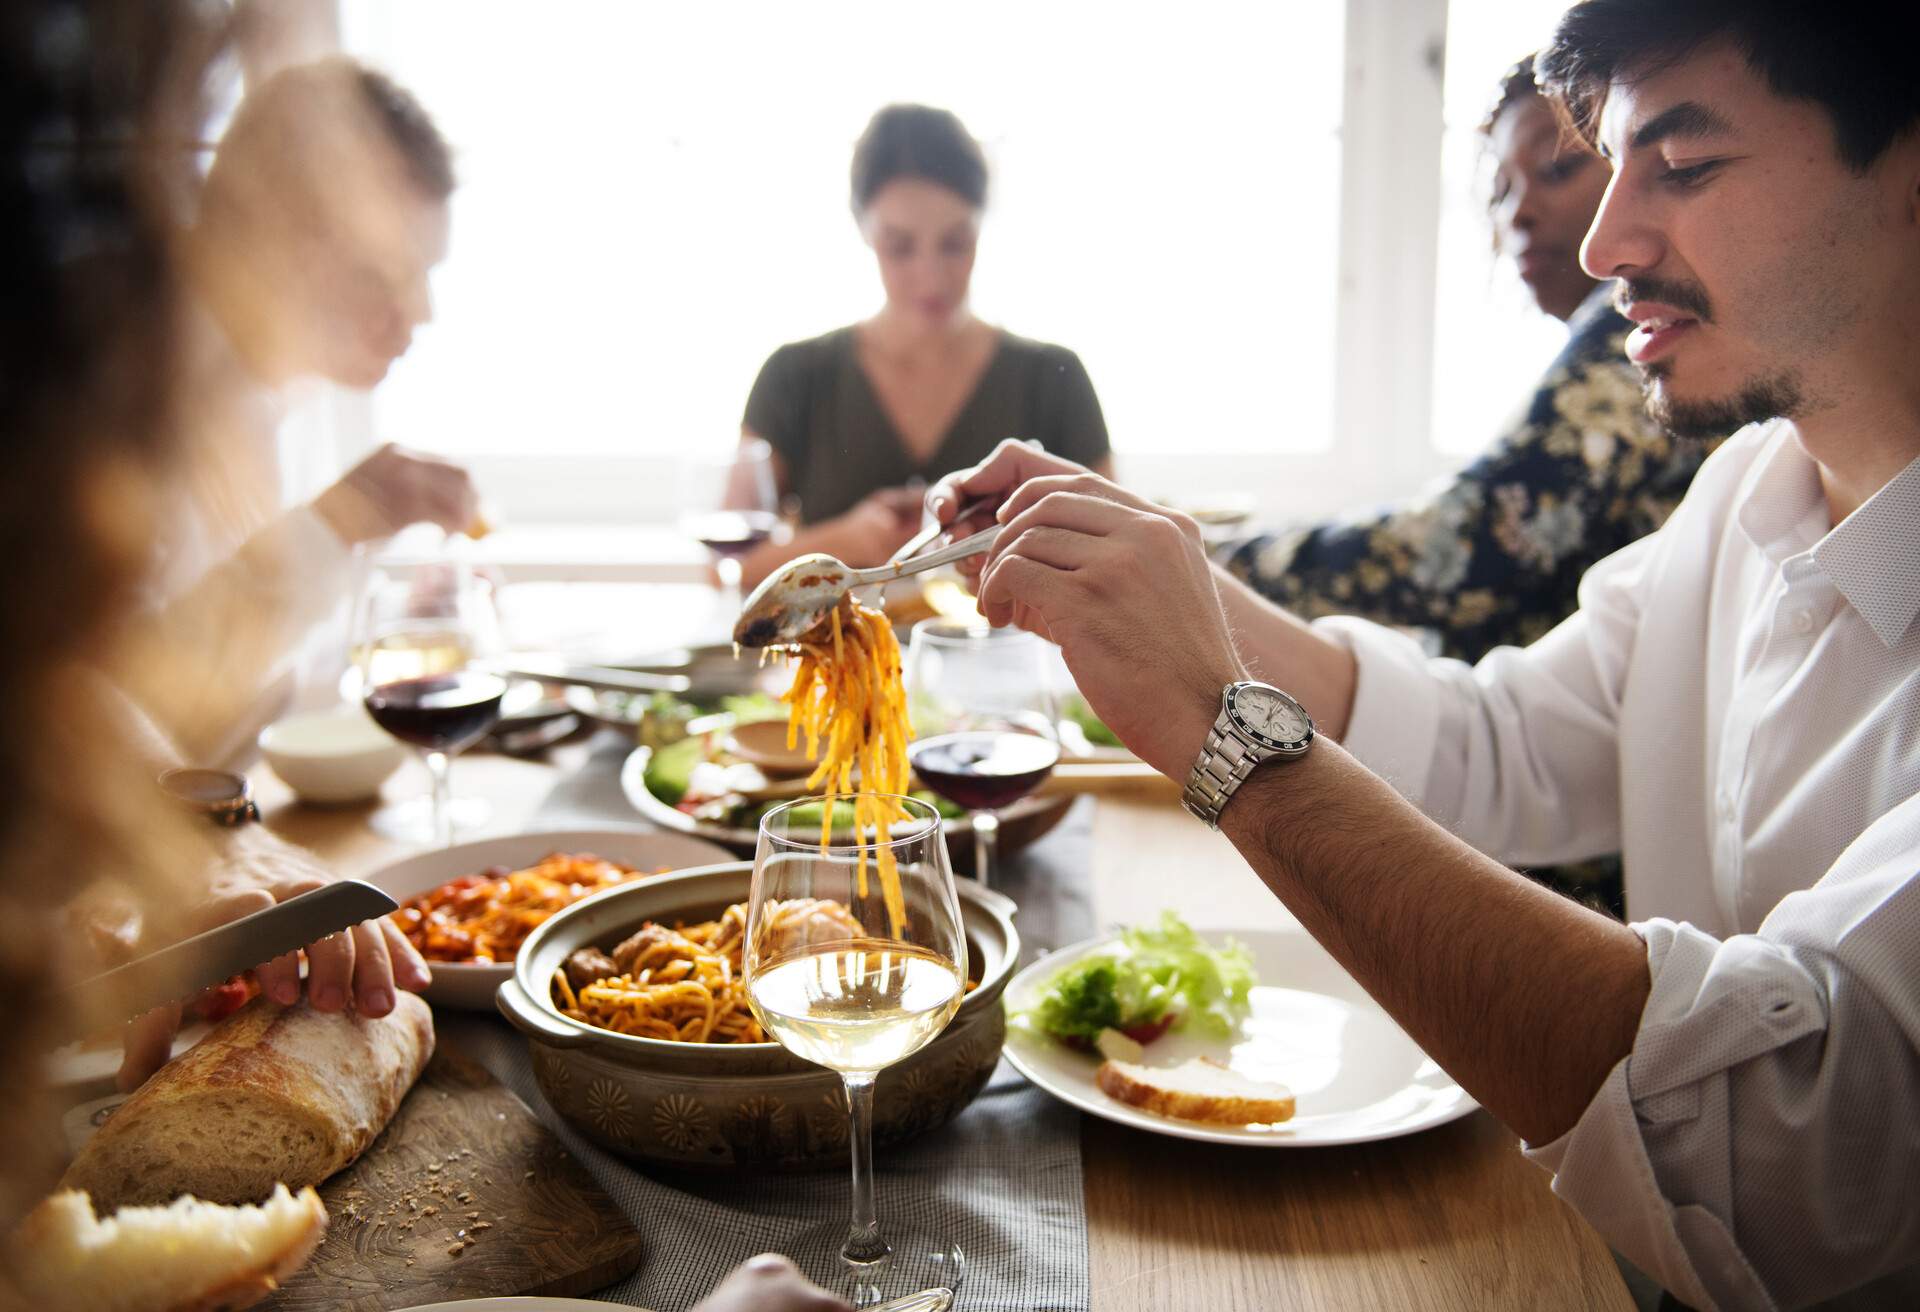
(1873, 556)
(1783, 511)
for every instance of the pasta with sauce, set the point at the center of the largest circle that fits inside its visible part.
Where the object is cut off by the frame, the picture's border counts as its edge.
(686, 983)
(485, 917)
(847, 696)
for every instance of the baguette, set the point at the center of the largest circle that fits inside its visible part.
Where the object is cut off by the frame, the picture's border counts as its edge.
(189, 1256)
(1196, 1090)
(271, 1095)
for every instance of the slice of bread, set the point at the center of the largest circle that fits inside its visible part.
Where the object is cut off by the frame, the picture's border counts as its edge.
(273, 1094)
(188, 1256)
(1198, 1089)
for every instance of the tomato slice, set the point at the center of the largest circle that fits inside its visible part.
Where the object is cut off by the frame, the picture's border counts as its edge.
(1146, 1033)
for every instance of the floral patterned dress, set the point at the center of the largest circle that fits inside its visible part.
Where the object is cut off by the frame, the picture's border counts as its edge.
(1494, 556)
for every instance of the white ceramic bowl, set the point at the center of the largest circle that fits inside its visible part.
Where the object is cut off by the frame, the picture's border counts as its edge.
(469, 986)
(331, 757)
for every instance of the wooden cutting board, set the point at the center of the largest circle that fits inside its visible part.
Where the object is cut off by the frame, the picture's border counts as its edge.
(465, 1195)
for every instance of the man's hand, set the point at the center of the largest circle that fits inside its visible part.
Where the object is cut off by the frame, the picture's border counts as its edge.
(1121, 584)
(395, 487)
(363, 964)
(769, 1283)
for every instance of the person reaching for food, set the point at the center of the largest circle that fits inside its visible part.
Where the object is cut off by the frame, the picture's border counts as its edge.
(1733, 706)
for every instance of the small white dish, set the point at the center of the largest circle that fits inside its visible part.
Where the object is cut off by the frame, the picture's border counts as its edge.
(331, 757)
(763, 743)
(1355, 1075)
(471, 986)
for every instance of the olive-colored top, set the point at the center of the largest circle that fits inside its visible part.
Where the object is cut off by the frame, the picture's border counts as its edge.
(815, 405)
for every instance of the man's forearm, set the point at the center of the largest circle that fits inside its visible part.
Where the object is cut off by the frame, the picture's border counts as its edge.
(1285, 650)
(1524, 997)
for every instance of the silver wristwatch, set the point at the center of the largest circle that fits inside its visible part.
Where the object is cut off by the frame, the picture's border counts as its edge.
(1257, 722)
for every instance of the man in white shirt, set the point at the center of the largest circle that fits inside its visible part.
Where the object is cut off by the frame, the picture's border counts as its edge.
(321, 218)
(1729, 1089)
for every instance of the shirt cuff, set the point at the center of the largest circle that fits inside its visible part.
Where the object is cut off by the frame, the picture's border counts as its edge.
(1600, 1167)
(1394, 725)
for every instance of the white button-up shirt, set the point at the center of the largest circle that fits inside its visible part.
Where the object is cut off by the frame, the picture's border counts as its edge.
(1735, 708)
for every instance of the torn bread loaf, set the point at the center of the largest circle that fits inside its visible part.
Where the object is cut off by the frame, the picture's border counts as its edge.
(1196, 1090)
(189, 1256)
(272, 1094)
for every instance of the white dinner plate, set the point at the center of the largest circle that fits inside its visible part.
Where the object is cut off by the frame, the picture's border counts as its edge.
(1355, 1075)
(471, 987)
(89, 1065)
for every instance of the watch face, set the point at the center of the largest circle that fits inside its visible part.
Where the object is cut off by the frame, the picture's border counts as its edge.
(1269, 716)
(204, 788)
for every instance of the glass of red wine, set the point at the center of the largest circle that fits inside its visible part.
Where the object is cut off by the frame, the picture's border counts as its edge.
(416, 637)
(985, 724)
(730, 506)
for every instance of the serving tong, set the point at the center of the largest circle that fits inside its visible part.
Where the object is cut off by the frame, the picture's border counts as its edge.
(794, 598)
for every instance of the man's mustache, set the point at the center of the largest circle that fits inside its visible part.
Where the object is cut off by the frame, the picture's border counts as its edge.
(1687, 297)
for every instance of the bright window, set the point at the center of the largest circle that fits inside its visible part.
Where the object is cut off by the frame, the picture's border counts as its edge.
(1491, 344)
(654, 197)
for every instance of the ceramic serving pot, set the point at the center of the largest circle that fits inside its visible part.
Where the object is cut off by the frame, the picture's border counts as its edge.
(740, 1107)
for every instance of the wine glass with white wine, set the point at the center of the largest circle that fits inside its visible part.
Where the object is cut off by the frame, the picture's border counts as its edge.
(855, 959)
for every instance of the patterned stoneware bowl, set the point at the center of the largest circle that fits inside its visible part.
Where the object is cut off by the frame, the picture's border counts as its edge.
(751, 1106)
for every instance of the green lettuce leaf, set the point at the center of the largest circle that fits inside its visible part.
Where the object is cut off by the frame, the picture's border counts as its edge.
(1153, 972)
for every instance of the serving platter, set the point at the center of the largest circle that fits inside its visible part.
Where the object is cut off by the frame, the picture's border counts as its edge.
(470, 987)
(1355, 1075)
(1020, 824)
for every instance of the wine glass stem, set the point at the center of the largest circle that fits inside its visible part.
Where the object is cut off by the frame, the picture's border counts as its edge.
(986, 843)
(864, 1244)
(439, 766)
(729, 569)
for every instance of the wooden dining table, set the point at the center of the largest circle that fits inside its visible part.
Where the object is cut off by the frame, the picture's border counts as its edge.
(1450, 1218)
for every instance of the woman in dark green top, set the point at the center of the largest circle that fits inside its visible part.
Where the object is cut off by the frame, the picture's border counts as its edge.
(860, 417)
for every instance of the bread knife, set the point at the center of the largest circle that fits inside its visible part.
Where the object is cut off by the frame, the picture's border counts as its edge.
(178, 972)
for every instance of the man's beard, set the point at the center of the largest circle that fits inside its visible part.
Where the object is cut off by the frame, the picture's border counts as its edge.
(1778, 397)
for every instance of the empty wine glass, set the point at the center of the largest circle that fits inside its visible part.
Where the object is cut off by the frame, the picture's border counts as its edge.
(415, 638)
(730, 506)
(987, 728)
(855, 958)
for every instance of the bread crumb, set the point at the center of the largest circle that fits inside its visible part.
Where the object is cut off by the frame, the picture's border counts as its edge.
(454, 1250)
(430, 1210)
(434, 1167)
(483, 1225)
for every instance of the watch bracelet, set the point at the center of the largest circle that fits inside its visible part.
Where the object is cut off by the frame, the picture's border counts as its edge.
(1210, 787)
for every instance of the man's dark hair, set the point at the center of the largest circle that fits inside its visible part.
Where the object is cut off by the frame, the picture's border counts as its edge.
(411, 129)
(918, 141)
(1853, 59)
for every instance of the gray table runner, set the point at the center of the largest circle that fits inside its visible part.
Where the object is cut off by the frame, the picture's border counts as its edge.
(1003, 1178)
